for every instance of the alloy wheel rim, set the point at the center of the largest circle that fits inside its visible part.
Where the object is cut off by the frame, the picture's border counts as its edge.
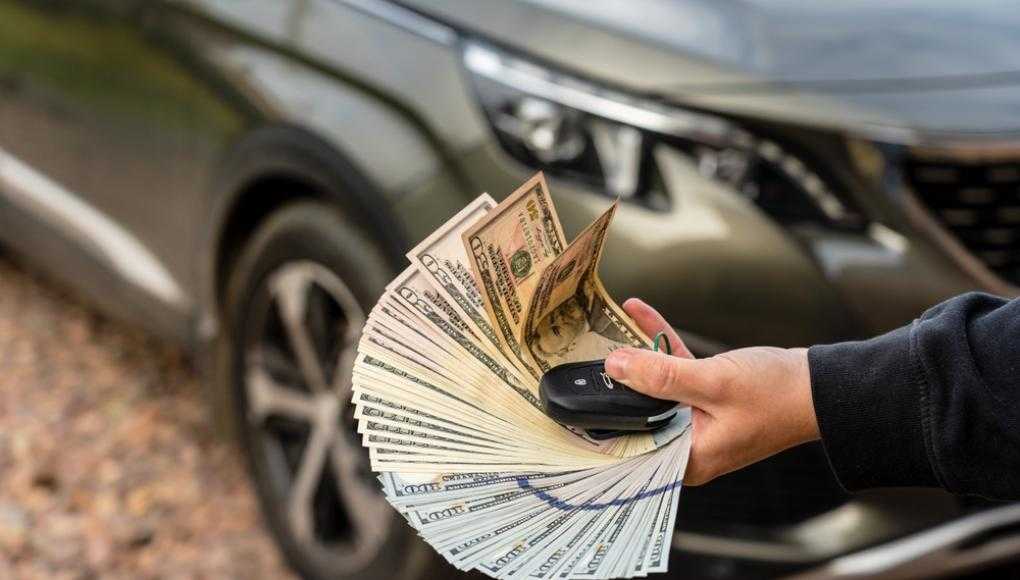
(297, 407)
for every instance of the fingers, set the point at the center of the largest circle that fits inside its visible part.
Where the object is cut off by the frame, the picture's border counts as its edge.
(652, 323)
(659, 375)
(696, 472)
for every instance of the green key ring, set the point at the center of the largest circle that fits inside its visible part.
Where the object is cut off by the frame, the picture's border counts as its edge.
(661, 339)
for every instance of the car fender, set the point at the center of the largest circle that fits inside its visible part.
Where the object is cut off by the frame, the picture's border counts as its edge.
(298, 155)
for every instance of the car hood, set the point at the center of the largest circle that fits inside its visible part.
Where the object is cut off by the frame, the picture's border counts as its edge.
(932, 65)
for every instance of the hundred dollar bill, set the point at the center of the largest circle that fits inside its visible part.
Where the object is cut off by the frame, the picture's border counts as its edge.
(417, 294)
(441, 258)
(570, 317)
(445, 389)
(507, 251)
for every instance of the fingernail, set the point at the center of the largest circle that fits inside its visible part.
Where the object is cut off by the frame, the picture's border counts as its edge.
(633, 303)
(616, 364)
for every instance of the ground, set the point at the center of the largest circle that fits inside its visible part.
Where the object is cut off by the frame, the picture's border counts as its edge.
(108, 464)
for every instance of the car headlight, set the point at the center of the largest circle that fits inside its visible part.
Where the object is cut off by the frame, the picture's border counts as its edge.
(603, 138)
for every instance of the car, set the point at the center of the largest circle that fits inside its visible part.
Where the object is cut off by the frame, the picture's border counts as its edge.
(244, 177)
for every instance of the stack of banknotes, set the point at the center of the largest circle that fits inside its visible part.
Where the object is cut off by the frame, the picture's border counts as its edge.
(446, 391)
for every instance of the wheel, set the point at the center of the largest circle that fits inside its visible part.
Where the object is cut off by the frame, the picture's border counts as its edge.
(296, 302)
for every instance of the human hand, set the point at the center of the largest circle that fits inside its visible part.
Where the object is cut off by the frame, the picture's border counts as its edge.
(747, 404)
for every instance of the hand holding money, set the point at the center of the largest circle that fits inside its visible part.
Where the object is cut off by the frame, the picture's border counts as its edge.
(748, 404)
(445, 388)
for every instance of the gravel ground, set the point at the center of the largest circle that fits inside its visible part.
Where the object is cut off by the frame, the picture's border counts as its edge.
(108, 465)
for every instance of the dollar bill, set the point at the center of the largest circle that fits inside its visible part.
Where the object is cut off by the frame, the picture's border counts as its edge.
(570, 317)
(441, 257)
(445, 388)
(507, 250)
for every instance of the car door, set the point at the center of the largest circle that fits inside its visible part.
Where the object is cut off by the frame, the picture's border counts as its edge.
(105, 136)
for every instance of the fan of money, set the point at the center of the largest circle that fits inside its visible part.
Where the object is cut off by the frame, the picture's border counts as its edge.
(446, 393)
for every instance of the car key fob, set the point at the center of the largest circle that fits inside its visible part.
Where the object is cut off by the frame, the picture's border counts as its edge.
(582, 395)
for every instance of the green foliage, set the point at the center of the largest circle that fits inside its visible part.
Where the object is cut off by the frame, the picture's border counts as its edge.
(106, 64)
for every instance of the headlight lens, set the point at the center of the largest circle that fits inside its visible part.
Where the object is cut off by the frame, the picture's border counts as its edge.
(603, 138)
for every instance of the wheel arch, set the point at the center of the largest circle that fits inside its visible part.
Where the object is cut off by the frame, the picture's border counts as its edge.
(268, 168)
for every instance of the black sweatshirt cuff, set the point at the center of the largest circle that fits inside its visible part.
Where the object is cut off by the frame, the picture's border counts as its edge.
(869, 399)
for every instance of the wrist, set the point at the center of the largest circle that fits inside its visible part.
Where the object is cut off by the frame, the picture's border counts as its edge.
(800, 379)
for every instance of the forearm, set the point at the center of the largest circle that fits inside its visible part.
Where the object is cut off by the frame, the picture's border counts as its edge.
(934, 403)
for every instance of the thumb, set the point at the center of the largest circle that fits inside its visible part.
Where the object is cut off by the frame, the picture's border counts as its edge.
(661, 375)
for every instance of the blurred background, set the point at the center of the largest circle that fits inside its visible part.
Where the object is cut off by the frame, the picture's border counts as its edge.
(791, 173)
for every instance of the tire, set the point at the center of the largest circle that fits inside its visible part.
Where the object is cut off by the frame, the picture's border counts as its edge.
(309, 272)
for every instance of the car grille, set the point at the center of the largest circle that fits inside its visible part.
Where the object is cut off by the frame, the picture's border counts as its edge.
(979, 203)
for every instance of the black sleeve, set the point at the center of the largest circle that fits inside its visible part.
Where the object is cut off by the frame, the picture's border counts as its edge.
(935, 403)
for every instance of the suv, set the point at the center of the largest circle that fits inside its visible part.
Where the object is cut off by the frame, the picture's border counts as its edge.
(244, 177)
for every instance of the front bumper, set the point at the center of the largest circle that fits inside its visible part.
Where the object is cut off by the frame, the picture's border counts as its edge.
(973, 542)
